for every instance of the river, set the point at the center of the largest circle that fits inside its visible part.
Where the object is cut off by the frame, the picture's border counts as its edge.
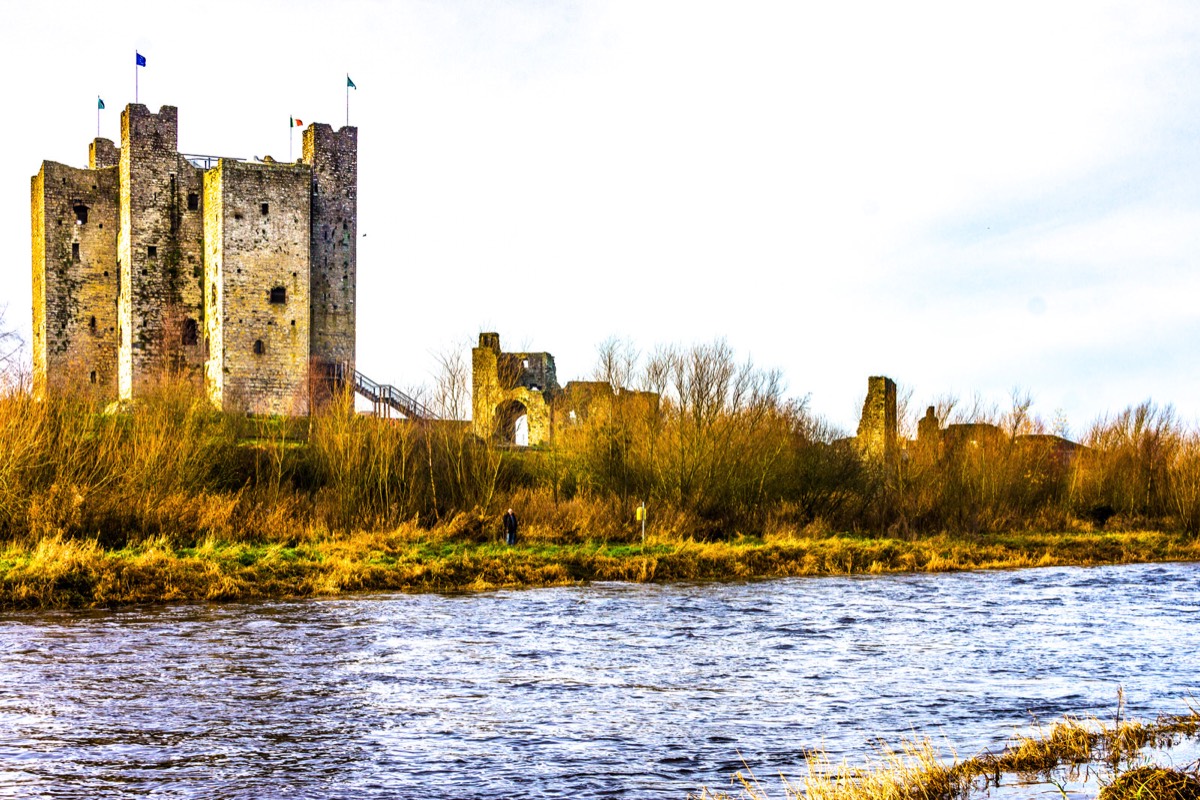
(608, 690)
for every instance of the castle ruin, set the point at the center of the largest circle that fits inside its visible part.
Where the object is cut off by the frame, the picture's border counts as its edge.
(507, 386)
(237, 276)
(877, 428)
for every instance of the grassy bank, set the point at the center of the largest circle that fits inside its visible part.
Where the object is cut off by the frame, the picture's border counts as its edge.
(57, 572)
(168, 498)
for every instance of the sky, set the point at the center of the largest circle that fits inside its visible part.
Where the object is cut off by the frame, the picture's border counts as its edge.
(969, 198)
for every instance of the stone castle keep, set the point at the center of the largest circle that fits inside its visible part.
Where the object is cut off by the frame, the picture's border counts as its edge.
(238, 276)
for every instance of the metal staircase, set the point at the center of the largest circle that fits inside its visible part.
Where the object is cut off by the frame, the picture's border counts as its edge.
(389, 397)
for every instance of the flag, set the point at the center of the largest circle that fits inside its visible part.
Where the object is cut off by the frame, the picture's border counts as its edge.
(141, 59)
(99, 104)
(296, 123)
(350, 83)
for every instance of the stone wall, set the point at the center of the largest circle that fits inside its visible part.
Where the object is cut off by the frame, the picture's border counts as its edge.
(257, 278)
(75, 222)
(333, 157)
(159, 253)
(877, 426)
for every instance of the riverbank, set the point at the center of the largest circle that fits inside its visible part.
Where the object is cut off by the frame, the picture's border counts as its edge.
(72, 573)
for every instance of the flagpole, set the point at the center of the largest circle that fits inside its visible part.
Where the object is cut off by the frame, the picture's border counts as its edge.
(135, 81)
(97, 116)
(348, 99)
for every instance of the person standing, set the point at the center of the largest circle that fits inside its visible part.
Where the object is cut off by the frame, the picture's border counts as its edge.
(510, 527)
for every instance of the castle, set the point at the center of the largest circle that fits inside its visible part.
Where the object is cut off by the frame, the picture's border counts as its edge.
(237, 276)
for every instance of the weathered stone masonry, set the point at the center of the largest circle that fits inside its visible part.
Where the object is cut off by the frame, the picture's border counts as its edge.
(333, 158)
(148, 265)
(159, 254)
(75, 326)
(507, 385)
(256, 236)
(877, 429)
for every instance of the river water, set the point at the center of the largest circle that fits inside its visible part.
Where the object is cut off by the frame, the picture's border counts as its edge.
(608, 690)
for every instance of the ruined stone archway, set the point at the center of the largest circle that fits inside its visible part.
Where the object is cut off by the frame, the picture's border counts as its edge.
(512, 423)
(502, 382)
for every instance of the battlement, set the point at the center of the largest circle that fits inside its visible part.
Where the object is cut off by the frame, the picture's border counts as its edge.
(102, 153)
(161, 129)
(321, 140)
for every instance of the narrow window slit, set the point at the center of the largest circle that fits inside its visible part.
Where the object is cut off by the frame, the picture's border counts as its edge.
(190, 332)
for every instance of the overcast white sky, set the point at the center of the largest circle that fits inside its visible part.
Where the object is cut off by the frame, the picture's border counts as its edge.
(966, 197)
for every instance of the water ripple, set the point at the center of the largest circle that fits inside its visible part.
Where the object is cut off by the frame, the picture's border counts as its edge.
(611, 690)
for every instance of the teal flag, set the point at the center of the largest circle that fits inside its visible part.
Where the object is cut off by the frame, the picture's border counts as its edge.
(99, 103)
(350, 83)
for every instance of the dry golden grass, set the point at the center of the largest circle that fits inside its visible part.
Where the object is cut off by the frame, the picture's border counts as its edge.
(465, 555)
(915, 772)
(911, 773)
(171, 500)
(1152, 783)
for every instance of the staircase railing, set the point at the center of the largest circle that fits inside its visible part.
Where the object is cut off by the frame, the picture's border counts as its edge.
(383, 394)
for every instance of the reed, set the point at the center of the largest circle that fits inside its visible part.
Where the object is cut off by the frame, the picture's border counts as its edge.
(915, 771)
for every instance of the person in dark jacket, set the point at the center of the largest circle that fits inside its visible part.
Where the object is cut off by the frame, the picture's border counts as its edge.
(510, 527)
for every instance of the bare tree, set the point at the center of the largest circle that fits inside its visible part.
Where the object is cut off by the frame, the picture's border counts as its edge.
(463, 471)
(10, 342)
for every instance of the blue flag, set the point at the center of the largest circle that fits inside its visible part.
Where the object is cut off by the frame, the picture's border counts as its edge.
(141, 59)
(99, 104)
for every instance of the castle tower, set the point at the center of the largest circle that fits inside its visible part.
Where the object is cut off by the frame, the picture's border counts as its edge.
(159, 254)
(256, 261)
(333, 156)
(75, 221)
(877, 427)
(486, 392)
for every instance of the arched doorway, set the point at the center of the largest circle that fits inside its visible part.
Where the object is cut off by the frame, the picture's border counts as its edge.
(512, 423)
